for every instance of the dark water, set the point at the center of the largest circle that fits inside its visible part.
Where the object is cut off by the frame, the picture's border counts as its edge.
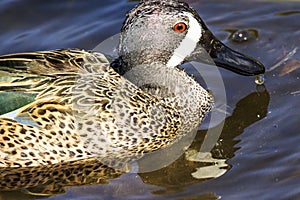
(260, 139)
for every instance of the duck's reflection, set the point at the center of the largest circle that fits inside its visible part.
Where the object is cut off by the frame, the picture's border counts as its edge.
(191, 168)
(195, 166)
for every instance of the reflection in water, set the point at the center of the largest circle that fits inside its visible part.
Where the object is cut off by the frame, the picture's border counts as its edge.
(174, 177)
(52, 179)
(179, 174)
(293, 12)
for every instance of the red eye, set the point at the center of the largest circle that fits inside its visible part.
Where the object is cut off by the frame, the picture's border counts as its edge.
(180, 27)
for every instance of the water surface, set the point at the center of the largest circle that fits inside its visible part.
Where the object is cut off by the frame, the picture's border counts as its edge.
(260, 138)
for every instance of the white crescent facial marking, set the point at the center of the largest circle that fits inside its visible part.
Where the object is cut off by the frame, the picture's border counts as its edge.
(188, 44)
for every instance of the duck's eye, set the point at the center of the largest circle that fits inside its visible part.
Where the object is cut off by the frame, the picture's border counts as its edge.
(180, 27)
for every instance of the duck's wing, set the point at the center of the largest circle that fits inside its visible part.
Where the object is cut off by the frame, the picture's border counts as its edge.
(33, 72)
(25, 75)
(114, 118)
(43, 62)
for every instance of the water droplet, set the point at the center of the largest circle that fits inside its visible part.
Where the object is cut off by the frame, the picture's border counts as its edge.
(260, 79)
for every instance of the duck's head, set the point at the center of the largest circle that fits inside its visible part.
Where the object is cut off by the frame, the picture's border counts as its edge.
(169, 33)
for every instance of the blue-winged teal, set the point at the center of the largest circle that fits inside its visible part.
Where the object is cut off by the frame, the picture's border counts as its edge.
(84, 109)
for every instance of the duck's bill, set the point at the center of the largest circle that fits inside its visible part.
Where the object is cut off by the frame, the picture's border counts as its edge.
(237, 62)
(227, 58)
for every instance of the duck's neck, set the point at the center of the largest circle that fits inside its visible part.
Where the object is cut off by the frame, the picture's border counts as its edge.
(173, 86)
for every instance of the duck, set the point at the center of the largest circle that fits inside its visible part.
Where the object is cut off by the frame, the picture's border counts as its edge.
(89, 108)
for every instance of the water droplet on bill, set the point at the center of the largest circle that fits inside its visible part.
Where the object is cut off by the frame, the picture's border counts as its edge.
(260, 79)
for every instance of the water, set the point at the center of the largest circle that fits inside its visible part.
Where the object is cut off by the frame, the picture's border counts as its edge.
(260, 138)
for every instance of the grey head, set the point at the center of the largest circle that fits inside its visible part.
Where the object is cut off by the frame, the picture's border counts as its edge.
(169, 33)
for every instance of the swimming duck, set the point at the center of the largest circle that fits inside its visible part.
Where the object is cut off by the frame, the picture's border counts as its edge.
(87, 107)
